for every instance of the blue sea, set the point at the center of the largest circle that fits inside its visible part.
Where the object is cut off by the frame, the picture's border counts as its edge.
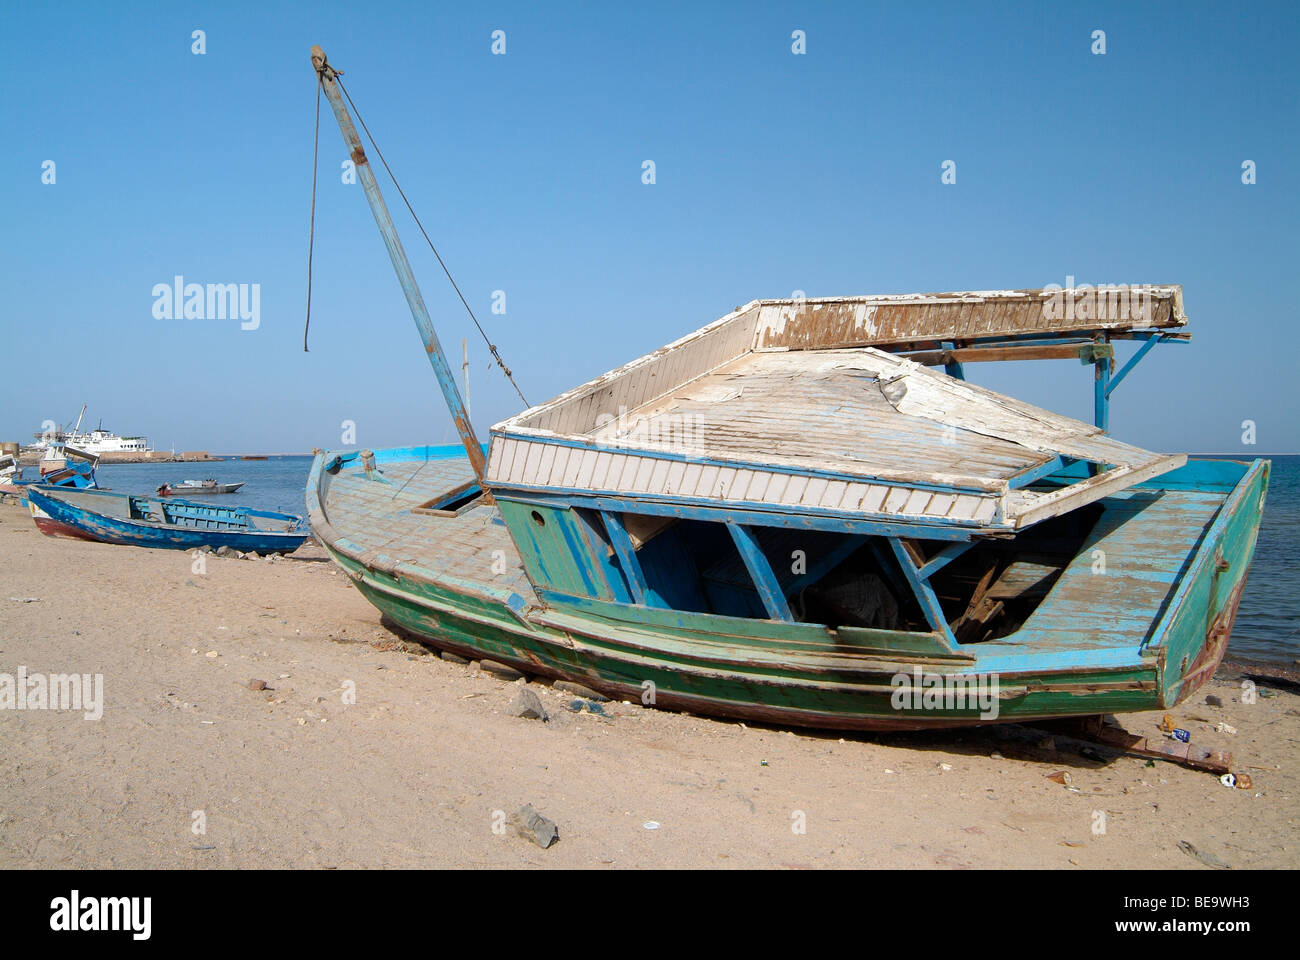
(1268, 622)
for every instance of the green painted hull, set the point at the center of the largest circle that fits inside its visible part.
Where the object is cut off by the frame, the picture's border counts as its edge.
(802, 674)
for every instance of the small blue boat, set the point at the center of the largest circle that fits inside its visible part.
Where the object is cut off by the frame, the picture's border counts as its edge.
(140, 521)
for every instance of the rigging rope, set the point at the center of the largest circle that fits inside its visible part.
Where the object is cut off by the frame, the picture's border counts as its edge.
(311, 229)
(380, 154)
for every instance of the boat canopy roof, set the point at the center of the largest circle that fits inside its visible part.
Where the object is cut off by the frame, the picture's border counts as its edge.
(792, 405)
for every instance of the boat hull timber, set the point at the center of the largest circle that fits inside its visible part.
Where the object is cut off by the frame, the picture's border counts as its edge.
(800, 674)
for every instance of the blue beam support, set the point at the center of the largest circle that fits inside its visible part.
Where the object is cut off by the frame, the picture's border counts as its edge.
(769, 588)
(1123, 371)
(925, 594)
(944, 557)
(1044, 469)
(953, 367)
(1100, 393)
(626, 554)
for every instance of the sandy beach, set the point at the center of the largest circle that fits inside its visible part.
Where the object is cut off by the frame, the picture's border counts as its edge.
(190, 766)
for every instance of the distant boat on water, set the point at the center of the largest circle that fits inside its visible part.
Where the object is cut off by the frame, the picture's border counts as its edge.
(197, 487)
(98, 441)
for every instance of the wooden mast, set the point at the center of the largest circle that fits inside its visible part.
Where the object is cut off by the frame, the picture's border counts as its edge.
(441, 369)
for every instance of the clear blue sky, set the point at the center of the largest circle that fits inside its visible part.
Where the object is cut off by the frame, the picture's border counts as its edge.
(775, 173)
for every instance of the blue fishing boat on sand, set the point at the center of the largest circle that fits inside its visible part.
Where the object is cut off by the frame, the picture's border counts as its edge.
(140, 521)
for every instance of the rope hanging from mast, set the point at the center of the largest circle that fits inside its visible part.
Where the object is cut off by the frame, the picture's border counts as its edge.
(336, 74)
(311, 227)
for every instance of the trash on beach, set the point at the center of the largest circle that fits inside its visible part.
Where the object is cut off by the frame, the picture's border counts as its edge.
(651, 825)
(1062, 777)
(1222, 727)
(1228, 780)
(1181, 735)
(578, 706)
(25, 599)
(528, 705)
(1244, 782)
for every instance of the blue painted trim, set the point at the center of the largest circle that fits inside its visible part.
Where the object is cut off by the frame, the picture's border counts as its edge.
(1123, 371)
(763, 515)
(626, 554)
(334, 461)
(760, 571)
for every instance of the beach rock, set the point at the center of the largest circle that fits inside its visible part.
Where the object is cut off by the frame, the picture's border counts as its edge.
(576, 688)
(1213, 701)
(499, 670)
(252, 555)
(256, 684)
(452, 657)
(528, 705)
(224, 551)
(531, 825)
(1207, 858)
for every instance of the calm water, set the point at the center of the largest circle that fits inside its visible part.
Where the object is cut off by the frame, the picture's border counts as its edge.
(277, 484)
(1268, 623)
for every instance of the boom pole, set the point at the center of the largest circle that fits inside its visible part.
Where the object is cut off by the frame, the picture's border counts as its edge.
(432, 348)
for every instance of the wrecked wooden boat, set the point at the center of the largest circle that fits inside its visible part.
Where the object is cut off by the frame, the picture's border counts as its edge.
(123, 518)
(803, 513)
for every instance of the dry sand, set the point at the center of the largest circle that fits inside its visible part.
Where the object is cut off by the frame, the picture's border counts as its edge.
(417, 771)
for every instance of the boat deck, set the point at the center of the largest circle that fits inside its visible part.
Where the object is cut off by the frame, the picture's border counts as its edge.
(1147, 538)
(379, 517)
